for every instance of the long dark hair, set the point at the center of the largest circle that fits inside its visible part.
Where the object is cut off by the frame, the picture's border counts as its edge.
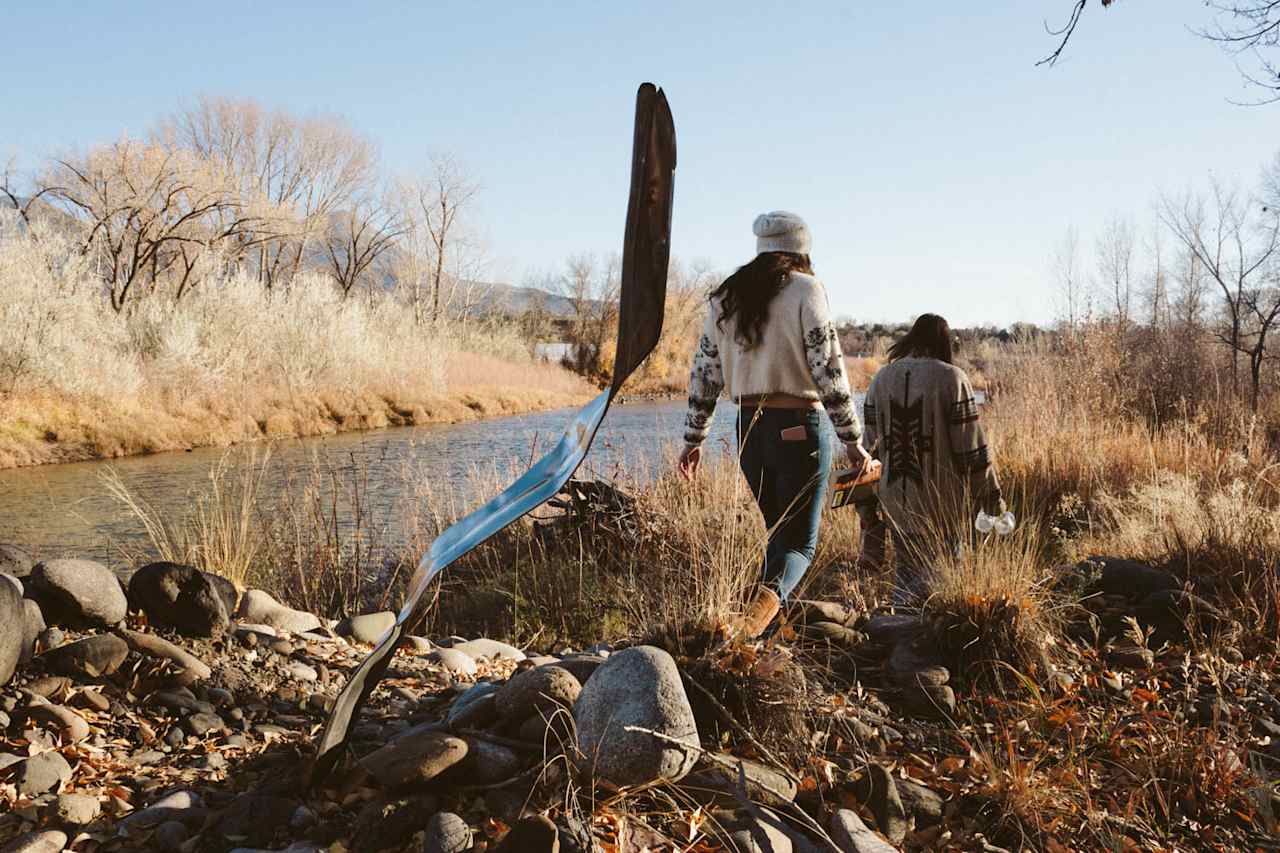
(930, 337)
(747, 293)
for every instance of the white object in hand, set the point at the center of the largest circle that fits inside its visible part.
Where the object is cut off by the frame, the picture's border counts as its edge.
(1003, 524)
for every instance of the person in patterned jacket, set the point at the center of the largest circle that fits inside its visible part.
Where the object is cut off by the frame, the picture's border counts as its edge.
(769, 340)
(922, 424)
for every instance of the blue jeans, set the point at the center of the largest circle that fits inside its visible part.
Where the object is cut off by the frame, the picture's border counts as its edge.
(789, 482)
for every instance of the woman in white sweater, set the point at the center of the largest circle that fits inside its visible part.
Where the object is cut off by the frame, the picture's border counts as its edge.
(769, 340)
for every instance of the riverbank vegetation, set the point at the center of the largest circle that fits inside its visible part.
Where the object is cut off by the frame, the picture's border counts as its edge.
(240, 274)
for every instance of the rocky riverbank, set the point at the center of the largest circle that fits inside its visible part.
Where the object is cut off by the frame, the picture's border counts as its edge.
(166, 710)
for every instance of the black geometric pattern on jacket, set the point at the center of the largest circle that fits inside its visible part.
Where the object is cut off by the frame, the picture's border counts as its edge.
(964, 411)
(906, 443)
(972, 460)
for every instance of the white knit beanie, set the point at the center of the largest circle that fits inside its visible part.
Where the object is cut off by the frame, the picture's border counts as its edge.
(781, 231)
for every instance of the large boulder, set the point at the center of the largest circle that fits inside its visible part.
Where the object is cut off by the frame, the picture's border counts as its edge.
(91, 657)
(259, 607)
(638, 687)
(13, 630)
(77, 593)
(15, 561)
(179, 597)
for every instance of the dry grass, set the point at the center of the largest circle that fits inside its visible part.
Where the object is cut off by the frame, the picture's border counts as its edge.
(232, 362)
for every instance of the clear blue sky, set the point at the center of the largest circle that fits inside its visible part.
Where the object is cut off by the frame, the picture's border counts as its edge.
(937, 166)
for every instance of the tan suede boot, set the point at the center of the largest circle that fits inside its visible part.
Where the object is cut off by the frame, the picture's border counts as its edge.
(760, 611)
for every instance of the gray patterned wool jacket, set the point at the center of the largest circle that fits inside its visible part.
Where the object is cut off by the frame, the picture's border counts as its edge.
(798, 353)
(922, 424)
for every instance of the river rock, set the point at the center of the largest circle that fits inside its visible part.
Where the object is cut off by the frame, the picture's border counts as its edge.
(474, 709)
(258, 606)
(581, 666)
(368, 628)
(183, 806)
(414, 759)
(77, 809)
(455, 661)
(484, 764)
(77, 593)
(712, 782)
(13, 582)
(13, 631)
(446, 833)
(932, 702)
(641, 687)
(389, 822)
(878, 790)
(491, 649)
(851, 835)
(15, 561)
(180, 598)
(190, 667)
(915, 662)
(541, 691)
(923, 804)
(91, 657)
(70, 725)
(41, 773)
(825, 611)
(536, 834)
(42, 841)
(34, 621)
(1128, 577)
(226, 590)
(748, 835)
(253, 818)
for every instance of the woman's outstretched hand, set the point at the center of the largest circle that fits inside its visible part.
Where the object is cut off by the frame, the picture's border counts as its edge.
(859, 458)
(690, 458)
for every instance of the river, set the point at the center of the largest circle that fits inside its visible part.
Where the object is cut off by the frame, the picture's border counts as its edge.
(67, 510)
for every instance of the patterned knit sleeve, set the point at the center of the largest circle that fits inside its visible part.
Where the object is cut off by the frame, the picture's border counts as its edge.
(826, 365)
(706, 381)
(871, 421)
(970, 452)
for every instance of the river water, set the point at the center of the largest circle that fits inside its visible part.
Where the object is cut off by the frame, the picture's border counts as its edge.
(67, 510)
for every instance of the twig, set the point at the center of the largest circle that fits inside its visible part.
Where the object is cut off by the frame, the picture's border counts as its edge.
(1065, 32)
(738, 766)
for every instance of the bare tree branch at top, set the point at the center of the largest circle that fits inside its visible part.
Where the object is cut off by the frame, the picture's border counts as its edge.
(1250, 27)
(1241, 26)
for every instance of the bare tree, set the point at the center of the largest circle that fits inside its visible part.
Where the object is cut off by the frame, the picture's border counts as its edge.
(148, 213)
(358, 238)
(1157, 289)
(294, 172)
(1192, 292)
(442, 254)
(1238, 251)
(1069, 280)
(1115, 269)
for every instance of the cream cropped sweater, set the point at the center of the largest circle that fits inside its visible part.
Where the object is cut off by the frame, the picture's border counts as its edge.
(798, 354)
